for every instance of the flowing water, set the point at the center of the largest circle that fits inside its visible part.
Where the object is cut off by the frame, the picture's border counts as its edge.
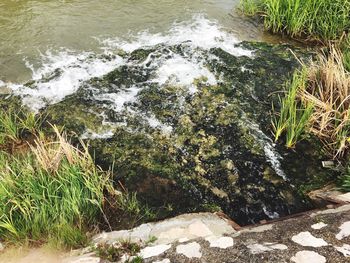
(167, 93)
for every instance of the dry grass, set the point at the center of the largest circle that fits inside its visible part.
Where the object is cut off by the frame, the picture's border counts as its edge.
(328, 90)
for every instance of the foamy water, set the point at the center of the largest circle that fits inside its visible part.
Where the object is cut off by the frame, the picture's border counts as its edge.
(75, 68)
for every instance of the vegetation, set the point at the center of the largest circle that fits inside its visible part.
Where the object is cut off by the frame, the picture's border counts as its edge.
(318, 103)
(320, 20)
(114, 252)
(50, 190)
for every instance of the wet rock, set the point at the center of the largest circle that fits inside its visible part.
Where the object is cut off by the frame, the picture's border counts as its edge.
(5, 91)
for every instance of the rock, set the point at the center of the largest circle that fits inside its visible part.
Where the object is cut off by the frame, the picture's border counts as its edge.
(308, 257)
(319, 226)
(190, 250)
(187, 226)
(265, 247)
(4, 90)
(166, 260)
(345, 250)
(153, 251)
(307, 240)
(2, 247)
(220, 242)
(88, 258)
(344, 231)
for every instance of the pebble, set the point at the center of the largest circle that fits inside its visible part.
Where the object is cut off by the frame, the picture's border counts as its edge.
(319, 226)
(221, 242)
(344, 231)
(306, 256)
(190, 250)
(307, 240)
(149, 252)
(345, 250)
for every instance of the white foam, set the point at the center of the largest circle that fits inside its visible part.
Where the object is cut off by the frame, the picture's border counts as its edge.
(119, 99)
(199, 32)
(180, 71)
(75, 68)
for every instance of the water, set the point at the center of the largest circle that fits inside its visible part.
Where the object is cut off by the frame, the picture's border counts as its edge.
(29, 27)
(168, 80)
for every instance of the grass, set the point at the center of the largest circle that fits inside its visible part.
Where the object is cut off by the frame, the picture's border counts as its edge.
(318, 103)
(51, 191)
(295, 115)
(50, 194)
(320, 20)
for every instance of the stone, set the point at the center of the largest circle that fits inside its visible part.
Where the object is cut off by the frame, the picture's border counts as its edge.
(319, 226)
(166, 260)
(153, 251)
(265, 247)
(189, 226)
(220, 242)
(306, 256)
(344, 231)
(190, 250)
(88, 258)
(5, 90)
(307, 240)
(344, 197)
(2, 247)
(345, 250)
(198, 229)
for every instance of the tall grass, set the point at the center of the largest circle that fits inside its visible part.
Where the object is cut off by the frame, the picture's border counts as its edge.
(307, 19)
(295, 115)
(53, 193)
(324, 84)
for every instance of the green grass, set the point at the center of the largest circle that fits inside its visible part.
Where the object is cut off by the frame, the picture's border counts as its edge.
(321, 20)
(14, 126)
(57, 205)
(294, 116)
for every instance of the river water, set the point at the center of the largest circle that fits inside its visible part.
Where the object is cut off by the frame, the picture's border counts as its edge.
(31, 27)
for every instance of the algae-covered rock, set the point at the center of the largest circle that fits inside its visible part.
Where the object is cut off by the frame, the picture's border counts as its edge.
(187, 147)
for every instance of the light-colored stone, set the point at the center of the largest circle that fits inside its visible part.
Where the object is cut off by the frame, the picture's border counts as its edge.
(265, 247)
(345, 250)
(340, 209)
(188, 226)
(166, 260)
(257, 229)
(220, 242)
(1, 247)
(88, 258)
(183, 240)
(344, 197)
(307, 240)
(199, 229)
(344, 231)
(190, 250)
(319, 225)
(306, 256)
(153, 251)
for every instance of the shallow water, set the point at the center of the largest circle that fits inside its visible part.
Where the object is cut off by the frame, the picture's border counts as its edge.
(31, 27)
